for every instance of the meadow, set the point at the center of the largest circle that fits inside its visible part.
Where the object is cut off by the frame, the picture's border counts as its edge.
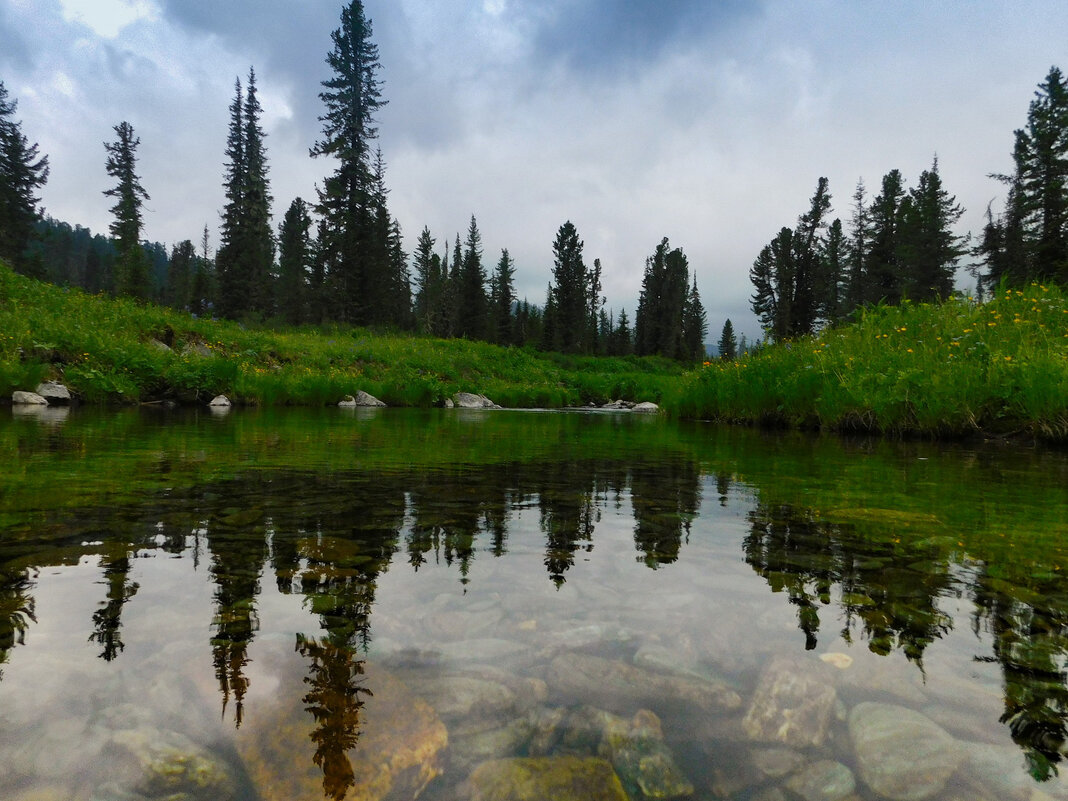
(953, 369)
(946, 370)
(118, 351)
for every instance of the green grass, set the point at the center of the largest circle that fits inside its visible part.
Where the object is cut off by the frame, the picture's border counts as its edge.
(107, 350)
(946, 370)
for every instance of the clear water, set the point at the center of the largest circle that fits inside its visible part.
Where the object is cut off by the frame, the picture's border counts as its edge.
(276, 604)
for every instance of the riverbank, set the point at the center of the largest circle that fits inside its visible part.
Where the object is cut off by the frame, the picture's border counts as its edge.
(951, 370)
(109, 350)
(954, 369)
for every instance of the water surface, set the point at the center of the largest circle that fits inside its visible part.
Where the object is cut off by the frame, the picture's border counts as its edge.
(263, 604)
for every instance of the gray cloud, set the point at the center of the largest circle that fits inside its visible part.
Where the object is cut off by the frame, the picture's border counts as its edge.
(607, 34)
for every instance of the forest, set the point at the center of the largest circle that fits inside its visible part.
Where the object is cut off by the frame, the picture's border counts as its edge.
(339, 258)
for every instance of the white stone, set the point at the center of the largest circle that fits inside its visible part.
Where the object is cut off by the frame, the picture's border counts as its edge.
(468, 400)
(53, 392)
(220, 400)
(348, 402)
(645, 407)
(20, 397)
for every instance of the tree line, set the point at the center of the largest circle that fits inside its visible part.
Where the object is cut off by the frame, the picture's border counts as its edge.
(339, 259)
(901, 244)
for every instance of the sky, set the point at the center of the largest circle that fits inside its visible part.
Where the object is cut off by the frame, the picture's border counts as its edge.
(708, 122)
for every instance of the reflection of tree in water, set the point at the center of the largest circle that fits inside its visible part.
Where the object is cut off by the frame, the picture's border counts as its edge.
(1028, 620)
(665, 500)
(17, 609)
(334, 700)
(331, 549)
(107, 620)
(890, 594)
(450, 511)
(566, 501)
(237, 547)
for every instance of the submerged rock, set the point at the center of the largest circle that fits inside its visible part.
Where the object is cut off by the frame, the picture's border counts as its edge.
(901, 754)
(564, 778)
(156, 764)
(643, 761)
(396, 751)
(791, 705)
(468, 400)
(53, 392)
(825, 780)
(618, 685)
(22, 398)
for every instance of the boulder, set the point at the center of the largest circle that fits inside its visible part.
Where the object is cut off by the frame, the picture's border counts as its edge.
(220, 401)
(367, 399)
(563, 778)
(645, 406)
(448, 404)
(53, 392)
(160, 764)
(901, 754)
(468, 400)
(21, 398)
(792, 705)
(397, 752)
(618, 405)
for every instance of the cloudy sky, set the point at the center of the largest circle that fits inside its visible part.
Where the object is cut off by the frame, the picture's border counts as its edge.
(705, 121)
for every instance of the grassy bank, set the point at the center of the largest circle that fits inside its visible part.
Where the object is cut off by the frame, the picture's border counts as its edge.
(938, 370)
(108, 350)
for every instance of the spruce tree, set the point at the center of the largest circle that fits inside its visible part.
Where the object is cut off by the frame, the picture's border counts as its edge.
(772, 275)
(728, 345)
(857, 292)
(22, 172)
(472, 317)
(694, 326)
(807, 293)
(246, 253)
(622, 343)
(427, 283)
(133, 266)
(180, 271)
(502, 300)
(884, 277)
(833, 278)
(1029, 239)
(1041, 156)
(352, 97)
(569, 293)
(294, 262)
(257, 239)
(931, 249)
(233, 283)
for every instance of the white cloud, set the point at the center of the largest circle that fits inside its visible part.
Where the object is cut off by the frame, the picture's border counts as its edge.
(108, 18)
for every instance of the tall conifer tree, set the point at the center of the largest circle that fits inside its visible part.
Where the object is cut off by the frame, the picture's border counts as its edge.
(352, 97)
(133, 266)
(503, 298)
(22, 172)
(294, 261)
(569, 292)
